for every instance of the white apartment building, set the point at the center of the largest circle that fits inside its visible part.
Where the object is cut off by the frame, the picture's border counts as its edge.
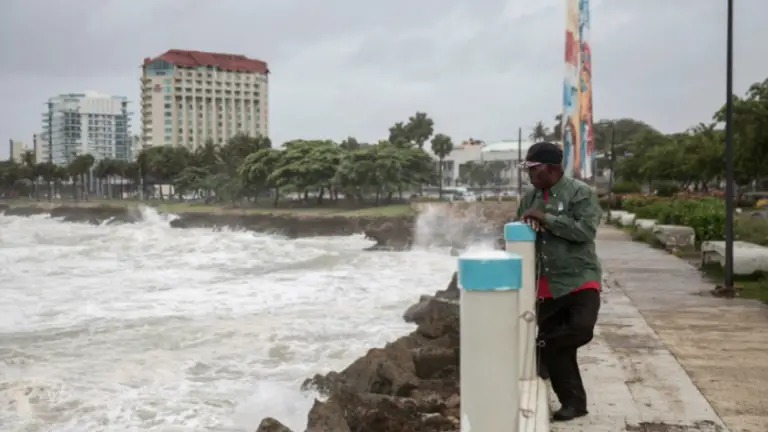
(188, 97)
(89, 122)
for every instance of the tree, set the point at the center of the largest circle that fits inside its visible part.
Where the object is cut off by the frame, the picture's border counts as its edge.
(419, 128)
(398, 135)
(539, 132)
(78, 169)
(256, 170)
(442, 146)
(349, 144)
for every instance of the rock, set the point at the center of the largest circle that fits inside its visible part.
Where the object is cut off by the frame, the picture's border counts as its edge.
(417, 311)
(327, 416)
(452, 291)
(271, 425)
(390, 235)
(429, 361)
(440, 317)
(379, 413)
(410, 385)
(388, 371)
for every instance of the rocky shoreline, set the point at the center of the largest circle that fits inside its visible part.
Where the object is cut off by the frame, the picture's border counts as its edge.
(409, 385)
(453, 225)
(389, 232)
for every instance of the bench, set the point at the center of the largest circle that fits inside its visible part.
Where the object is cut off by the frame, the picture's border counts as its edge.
(616, 215)
(748, 258)
(627, 219)
(645, 223)
(675, 236)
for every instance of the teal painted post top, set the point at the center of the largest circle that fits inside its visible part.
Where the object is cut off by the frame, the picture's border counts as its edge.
(496, 271)
(519, 232)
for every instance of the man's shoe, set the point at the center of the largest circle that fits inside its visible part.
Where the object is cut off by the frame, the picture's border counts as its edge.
(568, 413)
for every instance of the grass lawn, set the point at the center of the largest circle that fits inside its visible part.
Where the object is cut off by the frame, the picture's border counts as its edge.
(384, 210)
(754, 286)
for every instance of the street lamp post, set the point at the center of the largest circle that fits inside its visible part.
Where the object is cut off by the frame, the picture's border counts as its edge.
(729, 185)
(611, 163)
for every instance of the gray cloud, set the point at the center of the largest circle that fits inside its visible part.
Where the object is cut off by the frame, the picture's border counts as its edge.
(343, 67)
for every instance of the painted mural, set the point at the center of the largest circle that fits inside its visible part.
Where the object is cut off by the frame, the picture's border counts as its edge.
(578, 140)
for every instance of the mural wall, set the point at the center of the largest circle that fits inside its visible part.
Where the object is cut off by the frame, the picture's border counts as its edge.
(578, 141)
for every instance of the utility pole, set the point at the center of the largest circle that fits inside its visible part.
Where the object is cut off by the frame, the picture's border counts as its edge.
(519, 163)
(729, 186)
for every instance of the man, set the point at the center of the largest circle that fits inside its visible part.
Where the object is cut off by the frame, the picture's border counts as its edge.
(565, 213)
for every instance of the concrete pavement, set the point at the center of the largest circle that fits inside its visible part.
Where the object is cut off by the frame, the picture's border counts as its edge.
(667, 357)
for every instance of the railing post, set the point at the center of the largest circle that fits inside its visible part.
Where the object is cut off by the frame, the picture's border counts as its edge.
(490, 376)
(521, 240)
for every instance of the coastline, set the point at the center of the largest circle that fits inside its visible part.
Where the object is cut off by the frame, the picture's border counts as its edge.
(410, 384)
(391, 227)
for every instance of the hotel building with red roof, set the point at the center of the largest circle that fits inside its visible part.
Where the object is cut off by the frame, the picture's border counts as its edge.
(188, 97)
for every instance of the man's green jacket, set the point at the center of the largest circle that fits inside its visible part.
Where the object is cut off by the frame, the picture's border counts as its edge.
(566, 246)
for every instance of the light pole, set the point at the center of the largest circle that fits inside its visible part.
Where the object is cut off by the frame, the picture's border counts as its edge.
(611, 162)
(729, 186)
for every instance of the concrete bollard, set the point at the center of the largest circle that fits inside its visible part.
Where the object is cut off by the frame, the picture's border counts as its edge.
(521, 240)
(490, 376)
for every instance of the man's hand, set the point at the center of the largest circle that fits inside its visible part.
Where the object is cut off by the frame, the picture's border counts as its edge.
(534, 218)
(534, 214)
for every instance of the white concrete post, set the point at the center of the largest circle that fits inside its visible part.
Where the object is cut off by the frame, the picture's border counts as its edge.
(521, 240)
(490, 376)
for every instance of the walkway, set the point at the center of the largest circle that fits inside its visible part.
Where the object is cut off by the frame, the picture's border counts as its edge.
(654, 326)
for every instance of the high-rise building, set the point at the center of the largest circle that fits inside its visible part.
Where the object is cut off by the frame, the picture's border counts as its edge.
(40, 146)
(16, 150)
(92, 123)
(188, 97)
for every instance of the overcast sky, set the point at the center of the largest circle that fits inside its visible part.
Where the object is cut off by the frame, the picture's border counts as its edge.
(479, 68)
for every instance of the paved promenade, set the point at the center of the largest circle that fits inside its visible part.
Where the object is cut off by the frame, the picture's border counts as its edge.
(667, 357)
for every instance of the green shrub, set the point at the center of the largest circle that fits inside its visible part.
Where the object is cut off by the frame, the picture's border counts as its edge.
(666, 189)
(749, 229)
(626, 187)
(705, 215)
(638, 203)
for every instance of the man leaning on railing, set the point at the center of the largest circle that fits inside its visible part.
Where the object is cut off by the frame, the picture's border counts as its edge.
(565, 214)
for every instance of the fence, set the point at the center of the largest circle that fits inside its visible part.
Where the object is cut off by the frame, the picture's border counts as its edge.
(500, 388)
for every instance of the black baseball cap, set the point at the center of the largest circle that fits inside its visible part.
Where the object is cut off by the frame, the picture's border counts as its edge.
(543, 153)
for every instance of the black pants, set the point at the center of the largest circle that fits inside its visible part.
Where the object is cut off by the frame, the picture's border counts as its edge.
(566, 324)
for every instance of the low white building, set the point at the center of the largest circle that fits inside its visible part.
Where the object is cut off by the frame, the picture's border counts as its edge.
(509, 152)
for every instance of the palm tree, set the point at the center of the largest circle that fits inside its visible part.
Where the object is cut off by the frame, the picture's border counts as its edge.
(102, 172)
(539, 132)
(442, 146)
(79, 168)
(557, 129)
(29, 170)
